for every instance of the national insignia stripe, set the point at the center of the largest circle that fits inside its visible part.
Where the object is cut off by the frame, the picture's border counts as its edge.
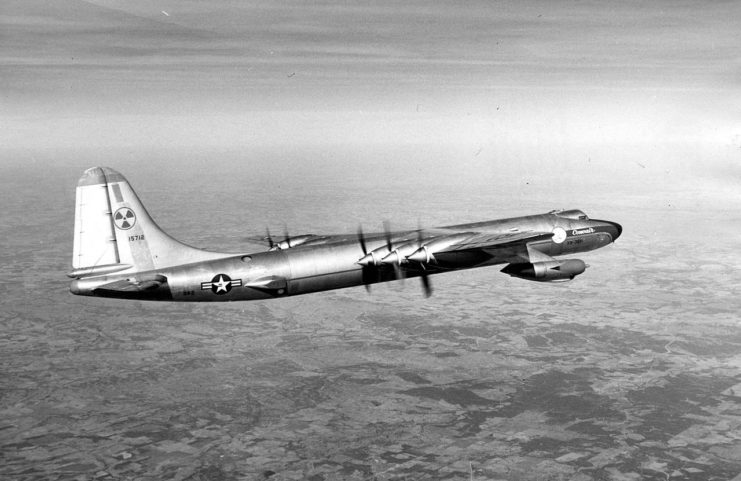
(221, 284)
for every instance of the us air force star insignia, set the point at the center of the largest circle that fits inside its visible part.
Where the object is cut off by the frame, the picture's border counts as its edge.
(124, 218)
(221, 284)
(559, 235)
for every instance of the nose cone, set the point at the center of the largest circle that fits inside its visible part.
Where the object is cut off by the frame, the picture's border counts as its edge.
(614, 230)
(367, 260)
(421, 255)
(392, 258)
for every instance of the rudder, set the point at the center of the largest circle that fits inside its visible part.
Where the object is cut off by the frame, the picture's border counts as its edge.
(114, 232)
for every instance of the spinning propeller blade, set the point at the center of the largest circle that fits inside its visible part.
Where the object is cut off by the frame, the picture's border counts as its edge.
(426, 287)
(361, 239)
(398, 272)
(287, 237)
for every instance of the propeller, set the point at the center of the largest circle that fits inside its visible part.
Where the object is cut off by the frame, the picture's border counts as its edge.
(287, 237)
(285, 243)
(270, 239)
(426, 287)
(398, 272)
(361, 239)
(387, 233)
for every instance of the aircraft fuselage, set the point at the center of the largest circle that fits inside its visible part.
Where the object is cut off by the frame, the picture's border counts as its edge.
(333, 264)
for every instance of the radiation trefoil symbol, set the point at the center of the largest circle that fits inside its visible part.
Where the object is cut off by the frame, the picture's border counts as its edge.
(124, 218)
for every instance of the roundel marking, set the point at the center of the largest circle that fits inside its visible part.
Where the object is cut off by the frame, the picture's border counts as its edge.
(559, 235)
(124, 218)
(221, 284)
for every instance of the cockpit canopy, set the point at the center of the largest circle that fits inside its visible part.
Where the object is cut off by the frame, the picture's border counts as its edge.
(573, 214)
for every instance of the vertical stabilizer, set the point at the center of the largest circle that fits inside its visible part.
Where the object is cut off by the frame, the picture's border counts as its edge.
(95, 241)
(114, 232)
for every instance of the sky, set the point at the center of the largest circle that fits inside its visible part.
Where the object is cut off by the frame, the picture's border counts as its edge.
(570, 91)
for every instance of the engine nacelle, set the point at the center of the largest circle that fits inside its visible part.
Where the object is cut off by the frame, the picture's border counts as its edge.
(290, 242)
(547, 271)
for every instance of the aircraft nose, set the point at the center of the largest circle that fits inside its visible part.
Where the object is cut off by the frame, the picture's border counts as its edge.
(614, 230)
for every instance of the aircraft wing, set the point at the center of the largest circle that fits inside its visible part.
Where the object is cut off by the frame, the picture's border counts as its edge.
(287, 242)
(513, 247)
(494, 242)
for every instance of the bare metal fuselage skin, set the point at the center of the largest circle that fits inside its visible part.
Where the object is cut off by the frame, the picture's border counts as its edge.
(333, 264)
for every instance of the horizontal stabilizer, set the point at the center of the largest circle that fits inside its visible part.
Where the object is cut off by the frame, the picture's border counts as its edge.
(135, 285)
(151, 287)
(97, 270)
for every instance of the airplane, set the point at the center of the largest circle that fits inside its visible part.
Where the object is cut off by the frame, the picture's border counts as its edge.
(120, 252)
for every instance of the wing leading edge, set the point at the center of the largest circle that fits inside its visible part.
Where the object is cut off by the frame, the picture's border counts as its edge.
(509, 247)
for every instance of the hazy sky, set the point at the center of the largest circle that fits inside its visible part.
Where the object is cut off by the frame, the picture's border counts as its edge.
(476, 81)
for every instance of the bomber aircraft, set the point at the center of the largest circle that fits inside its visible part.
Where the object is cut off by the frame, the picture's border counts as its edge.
(120, 252)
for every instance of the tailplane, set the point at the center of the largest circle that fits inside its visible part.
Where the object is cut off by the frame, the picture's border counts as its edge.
(114, 232)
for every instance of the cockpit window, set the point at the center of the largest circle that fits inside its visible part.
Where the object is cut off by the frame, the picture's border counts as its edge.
(574, 214)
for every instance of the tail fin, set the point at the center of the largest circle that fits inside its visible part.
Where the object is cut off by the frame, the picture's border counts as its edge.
(114, 232)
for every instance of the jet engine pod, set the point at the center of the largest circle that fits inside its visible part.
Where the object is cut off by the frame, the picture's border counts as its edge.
(547, 271)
